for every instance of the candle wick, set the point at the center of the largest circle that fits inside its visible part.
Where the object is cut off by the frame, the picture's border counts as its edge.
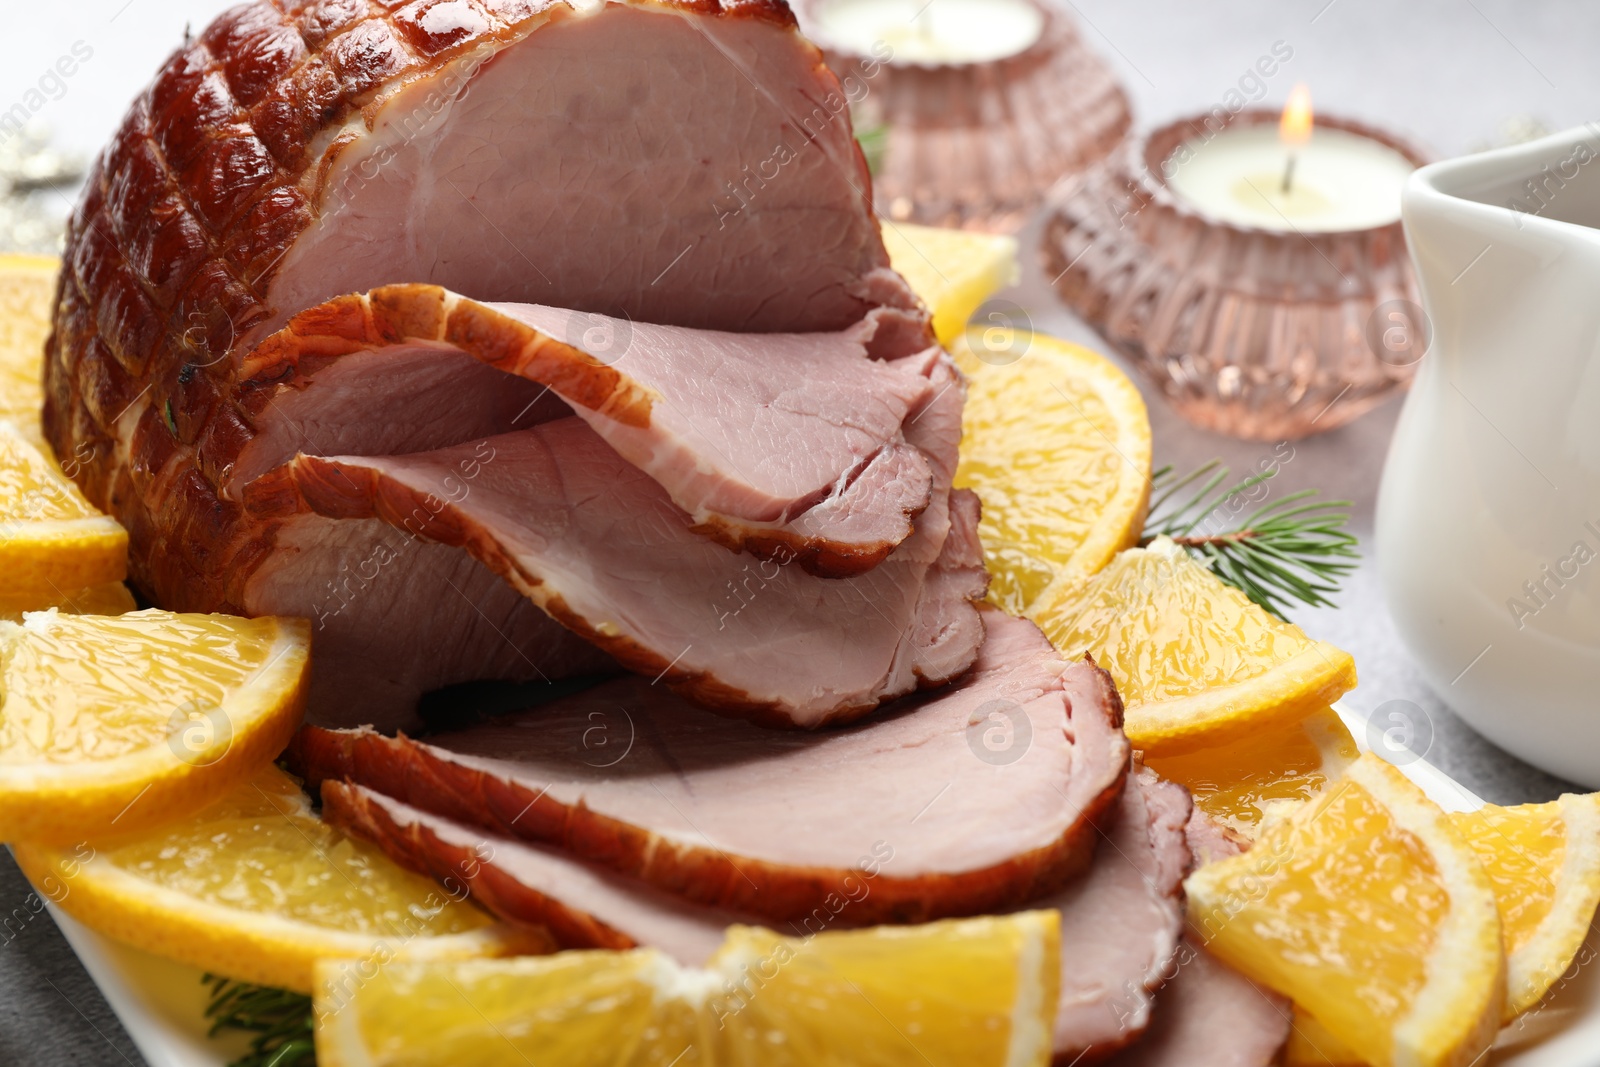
(1288, 174)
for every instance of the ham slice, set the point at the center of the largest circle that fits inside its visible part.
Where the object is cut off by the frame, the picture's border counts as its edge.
(395, 616)
(789, 445)
(1121, 922)
(626, 776)
(582, 906)
(595, 542)
(1208, 1014)
(392, 619)
(1120, 934)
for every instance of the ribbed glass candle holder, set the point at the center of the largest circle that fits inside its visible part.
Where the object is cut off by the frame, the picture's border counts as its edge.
(977, 145)
(1257, 333)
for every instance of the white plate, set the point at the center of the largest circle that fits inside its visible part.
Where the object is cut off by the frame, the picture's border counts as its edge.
(160, 1003)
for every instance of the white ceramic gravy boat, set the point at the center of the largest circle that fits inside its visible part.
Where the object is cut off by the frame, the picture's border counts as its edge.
(1488, 526)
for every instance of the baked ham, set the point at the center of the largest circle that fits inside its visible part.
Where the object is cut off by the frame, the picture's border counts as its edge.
(562, 518)
(596, 543)
(1119, 933)
(641, 160)
(579, 904)
(1121, 922)
(788, 445)
(1208, 1014)
(628, 777)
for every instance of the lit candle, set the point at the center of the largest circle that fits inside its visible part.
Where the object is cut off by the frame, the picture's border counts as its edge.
(1295, 177)
(931, 31)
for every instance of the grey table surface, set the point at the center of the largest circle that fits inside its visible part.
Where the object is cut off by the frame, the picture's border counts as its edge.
(1453, 75)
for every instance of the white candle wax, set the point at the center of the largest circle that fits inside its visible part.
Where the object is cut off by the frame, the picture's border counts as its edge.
(1342, 181)
(932, 31)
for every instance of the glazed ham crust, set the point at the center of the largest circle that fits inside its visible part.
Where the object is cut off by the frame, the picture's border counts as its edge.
(186, 224)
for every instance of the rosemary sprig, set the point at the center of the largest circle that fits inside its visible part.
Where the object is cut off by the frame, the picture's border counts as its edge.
(1287, 551)
(281, 1021)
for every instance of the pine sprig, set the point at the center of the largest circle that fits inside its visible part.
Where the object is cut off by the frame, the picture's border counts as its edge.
(1292, 550)
(281, 1021)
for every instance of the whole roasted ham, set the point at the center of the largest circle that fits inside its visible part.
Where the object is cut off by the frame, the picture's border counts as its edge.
(516, 340)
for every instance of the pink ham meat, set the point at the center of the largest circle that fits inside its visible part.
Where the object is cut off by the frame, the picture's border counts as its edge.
(1121, 922)
(788, 445)
(595, 542)
(733, 817)
(721, 639)
(582, 906)
(1207, 1014)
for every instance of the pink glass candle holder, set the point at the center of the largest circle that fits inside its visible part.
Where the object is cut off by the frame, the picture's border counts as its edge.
(977, 144)
(1254, 331)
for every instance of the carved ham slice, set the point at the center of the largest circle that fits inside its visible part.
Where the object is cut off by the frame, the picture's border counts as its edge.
(583, 906)
(789, 445)
(1121, 922)
(1208, 1014)
(595, 542)
(626, 776)
(909, 622)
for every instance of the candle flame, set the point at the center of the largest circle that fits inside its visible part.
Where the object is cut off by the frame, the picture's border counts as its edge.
(1294, 129)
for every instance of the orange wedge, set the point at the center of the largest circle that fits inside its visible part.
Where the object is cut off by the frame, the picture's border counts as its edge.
(112, 726)
(1057, 445)
(1197, 663)
(954, 271)
(1369, 910)
(52, 541)
(258, 888)
(27, 288)
(969, 992)
(1544, 863)
(1282, 763)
